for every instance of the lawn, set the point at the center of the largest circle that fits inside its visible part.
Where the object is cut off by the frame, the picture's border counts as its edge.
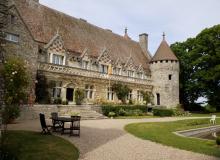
(162, 132)
(204, 114)
(27, 145)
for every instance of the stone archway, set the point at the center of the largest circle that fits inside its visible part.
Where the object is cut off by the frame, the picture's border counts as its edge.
(68, 90)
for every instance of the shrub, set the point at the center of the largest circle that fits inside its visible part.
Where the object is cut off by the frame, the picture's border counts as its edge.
(127, 108)
(65, 102)
(137, 112)
(10, 113)
(163, 112)
(210, 109)
(218, 140)
(79, 96)
(57, 101)
(111, 114)
(121, 112)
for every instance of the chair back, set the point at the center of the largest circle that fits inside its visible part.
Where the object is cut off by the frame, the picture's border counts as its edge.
(42, 120)
(213, 117)
(76, 121)
(54, 115)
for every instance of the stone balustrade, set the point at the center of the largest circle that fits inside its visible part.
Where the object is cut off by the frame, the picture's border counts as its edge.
(89, 73)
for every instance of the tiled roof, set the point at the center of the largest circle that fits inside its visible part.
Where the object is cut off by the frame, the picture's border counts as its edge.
(164, 52)
(78, 34)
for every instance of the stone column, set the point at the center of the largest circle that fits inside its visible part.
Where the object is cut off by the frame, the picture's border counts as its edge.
(63, 93)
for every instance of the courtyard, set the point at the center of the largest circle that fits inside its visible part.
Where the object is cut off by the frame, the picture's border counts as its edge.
(107, 139)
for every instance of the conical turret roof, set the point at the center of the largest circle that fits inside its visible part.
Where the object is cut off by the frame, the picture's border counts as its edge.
(164, 52)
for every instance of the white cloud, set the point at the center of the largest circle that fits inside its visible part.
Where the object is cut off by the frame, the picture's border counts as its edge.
(179, 19)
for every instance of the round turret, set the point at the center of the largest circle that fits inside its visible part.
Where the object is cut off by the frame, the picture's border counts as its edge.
(165, 76)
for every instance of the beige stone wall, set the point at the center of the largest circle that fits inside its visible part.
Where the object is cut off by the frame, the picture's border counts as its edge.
(100, 86)
(168, 89)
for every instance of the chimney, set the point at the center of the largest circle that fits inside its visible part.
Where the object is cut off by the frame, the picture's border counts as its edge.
(143, 41)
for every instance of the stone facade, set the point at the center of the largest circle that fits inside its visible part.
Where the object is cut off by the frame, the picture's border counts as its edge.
(94, 68)
(165, 77)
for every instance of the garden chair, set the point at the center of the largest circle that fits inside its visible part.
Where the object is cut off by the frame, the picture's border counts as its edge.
(56, 124)
(44, 126)
(75, 126)
(212, 120)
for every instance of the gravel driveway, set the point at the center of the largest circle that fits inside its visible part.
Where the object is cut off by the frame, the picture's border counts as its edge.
(107, 140)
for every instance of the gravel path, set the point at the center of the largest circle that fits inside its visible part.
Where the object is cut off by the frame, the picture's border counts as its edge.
(107, 140)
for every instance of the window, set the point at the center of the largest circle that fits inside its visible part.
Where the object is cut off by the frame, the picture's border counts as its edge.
(57, 59)
(158, 99)
(89, 90)
(85, 64)
(57, 89)
(110, 93)
(139, 96)
(117, 71)
(170, 76)
(104, 69)
(140, 75)
(12, 19)
(130, 73)
(129, 97)
(12, 37)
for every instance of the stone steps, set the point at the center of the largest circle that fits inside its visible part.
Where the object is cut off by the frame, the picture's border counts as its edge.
(86, 112)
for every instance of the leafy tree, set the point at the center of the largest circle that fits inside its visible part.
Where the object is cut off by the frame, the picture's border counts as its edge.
(79, 96)
(147, 97)
(16, 80)
(42, 93)
(200, 67)
(121, 91)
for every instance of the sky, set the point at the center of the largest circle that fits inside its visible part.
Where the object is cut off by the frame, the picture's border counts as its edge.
(179, 19)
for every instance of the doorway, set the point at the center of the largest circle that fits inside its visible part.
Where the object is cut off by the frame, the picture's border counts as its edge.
(69, 94)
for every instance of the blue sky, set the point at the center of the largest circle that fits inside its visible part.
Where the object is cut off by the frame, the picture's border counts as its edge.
(178, 19)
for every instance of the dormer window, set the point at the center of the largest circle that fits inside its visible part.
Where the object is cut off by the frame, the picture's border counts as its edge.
(130, 73)
(57, 59)
(117, 71)
(103, 68)
(140, 75)
(85, 64)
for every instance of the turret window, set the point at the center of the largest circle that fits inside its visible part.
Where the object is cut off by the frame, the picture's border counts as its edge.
(12, 37)
(170, 76)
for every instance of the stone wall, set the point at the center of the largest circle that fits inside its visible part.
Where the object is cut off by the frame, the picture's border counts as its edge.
(26, 48)
(100, 86)
(168, 89)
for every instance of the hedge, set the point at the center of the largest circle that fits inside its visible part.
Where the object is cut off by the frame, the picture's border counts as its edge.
(118, 108)
(163, 112)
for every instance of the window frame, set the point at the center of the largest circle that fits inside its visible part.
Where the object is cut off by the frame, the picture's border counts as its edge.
(9, 37)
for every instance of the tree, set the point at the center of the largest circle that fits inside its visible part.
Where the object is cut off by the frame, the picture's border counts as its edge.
(79, 96)
(147, 97)
(121, 91)
(200, 67)
(41, 91)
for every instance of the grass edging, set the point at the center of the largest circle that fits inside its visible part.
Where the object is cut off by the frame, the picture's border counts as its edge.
(162, 132)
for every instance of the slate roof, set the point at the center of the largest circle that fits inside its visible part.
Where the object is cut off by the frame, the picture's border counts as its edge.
(164, 53)
(44, 22)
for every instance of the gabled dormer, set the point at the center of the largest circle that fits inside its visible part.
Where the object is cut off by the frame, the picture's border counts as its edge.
(55, 50)
(104, 61)
(130, 67)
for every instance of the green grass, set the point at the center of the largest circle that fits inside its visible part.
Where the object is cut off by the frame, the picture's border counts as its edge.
(35, 146)
(162, 132)
(204, 114)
